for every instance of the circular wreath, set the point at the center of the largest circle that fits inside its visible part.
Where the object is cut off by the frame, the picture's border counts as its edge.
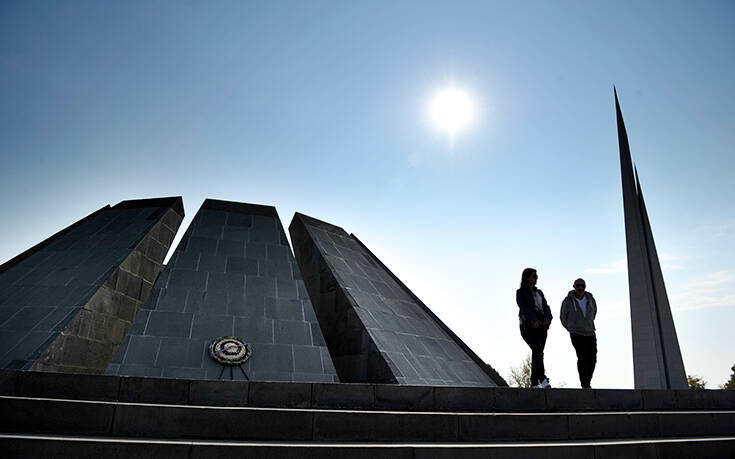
(230, 350)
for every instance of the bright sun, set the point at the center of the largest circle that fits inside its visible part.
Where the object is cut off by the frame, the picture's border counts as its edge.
(451, 110)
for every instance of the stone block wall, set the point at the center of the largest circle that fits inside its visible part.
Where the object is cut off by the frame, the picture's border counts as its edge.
(67, 303)
(233, 274)
(377, 330)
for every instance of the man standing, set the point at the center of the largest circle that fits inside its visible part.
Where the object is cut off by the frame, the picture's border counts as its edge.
(578, 311)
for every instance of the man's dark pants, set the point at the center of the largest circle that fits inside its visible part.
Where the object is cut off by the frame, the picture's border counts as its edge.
(586, 347)
(536, 340)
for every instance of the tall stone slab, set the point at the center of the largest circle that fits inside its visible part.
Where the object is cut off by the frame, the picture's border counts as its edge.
(232, 274)
(376, 329)
(657, 362)
(67, 303)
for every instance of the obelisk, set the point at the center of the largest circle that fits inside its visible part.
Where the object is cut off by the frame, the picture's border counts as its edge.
(657, 362)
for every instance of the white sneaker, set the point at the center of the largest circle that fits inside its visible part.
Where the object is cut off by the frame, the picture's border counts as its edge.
(544, 384)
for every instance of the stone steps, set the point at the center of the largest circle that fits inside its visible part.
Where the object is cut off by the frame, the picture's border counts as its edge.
(110, 447)
(119, 419)
(354, 396)
(66, 415)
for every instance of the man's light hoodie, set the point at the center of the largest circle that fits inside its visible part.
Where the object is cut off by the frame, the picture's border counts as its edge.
(572, 317)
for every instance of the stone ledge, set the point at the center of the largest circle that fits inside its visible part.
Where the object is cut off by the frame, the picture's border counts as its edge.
(133, 420)
(87, 447)
(353, 396)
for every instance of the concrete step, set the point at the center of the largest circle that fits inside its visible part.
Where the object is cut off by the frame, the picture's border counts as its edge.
(120, 419)
(23, 446)
(354, 396)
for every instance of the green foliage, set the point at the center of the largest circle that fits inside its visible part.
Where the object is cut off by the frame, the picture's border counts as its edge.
(521, 376)
(731, 383)
(696, 383)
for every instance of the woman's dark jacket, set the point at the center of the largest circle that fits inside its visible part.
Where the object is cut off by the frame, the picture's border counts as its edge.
(527, 306)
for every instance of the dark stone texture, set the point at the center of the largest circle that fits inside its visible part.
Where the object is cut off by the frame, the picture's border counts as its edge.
(80, 290)
(688, 399)
(173, 324)
(510, 452)
(258, 285)
(148, 390)
(60, 417)
(9, 381)
(283, 309)
(180, 352)
(464, 399)
(67, 386)
(512, 427)
(232, 283)
(26, 319)
(169, 300)
(23, 447)
(512, 398)
(293, 332)
(272, 357)
(618, 399)
(314, 377)
(185, 279)
(183, 373)
(638, 451)
(242, 265)
(251, 306)
(284, 395)
(571, 399)
(353, 396)
(218, 393)
(254, 330)
(613, 425)
(404, 397)
(365, 396)
(209, 327)
(138, 370)
(223, 282)
(656, 399)
(694, 448)
(142, 350)
(376, 329)
(31, 346)
(211, 423)
(28, 447)
(367, 426)
(307, 359)
(276, 376)
(212, 263)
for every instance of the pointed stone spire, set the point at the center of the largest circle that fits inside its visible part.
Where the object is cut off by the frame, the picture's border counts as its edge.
(657, 362)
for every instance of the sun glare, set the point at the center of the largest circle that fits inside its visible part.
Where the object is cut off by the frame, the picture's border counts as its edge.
(451, 110)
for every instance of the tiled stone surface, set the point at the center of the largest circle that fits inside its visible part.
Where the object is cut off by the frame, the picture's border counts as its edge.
(375, 328)
(233, 274)
(66, 304)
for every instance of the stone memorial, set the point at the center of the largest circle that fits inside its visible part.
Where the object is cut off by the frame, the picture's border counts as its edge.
(232, 276)
(67, 303)
(657, 362)
(376, 329)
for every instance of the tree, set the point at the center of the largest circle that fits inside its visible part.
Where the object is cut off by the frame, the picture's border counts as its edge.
(731, 383)
(521, 376)
(695, 382)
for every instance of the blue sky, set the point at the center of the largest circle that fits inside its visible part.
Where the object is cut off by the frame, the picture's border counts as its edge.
(322, 108)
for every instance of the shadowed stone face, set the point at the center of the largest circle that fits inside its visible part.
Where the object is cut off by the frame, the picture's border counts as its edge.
(233, 274)
(68, 302)
(375, 328)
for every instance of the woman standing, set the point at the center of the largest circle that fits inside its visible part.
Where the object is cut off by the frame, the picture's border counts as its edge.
(535, 317)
